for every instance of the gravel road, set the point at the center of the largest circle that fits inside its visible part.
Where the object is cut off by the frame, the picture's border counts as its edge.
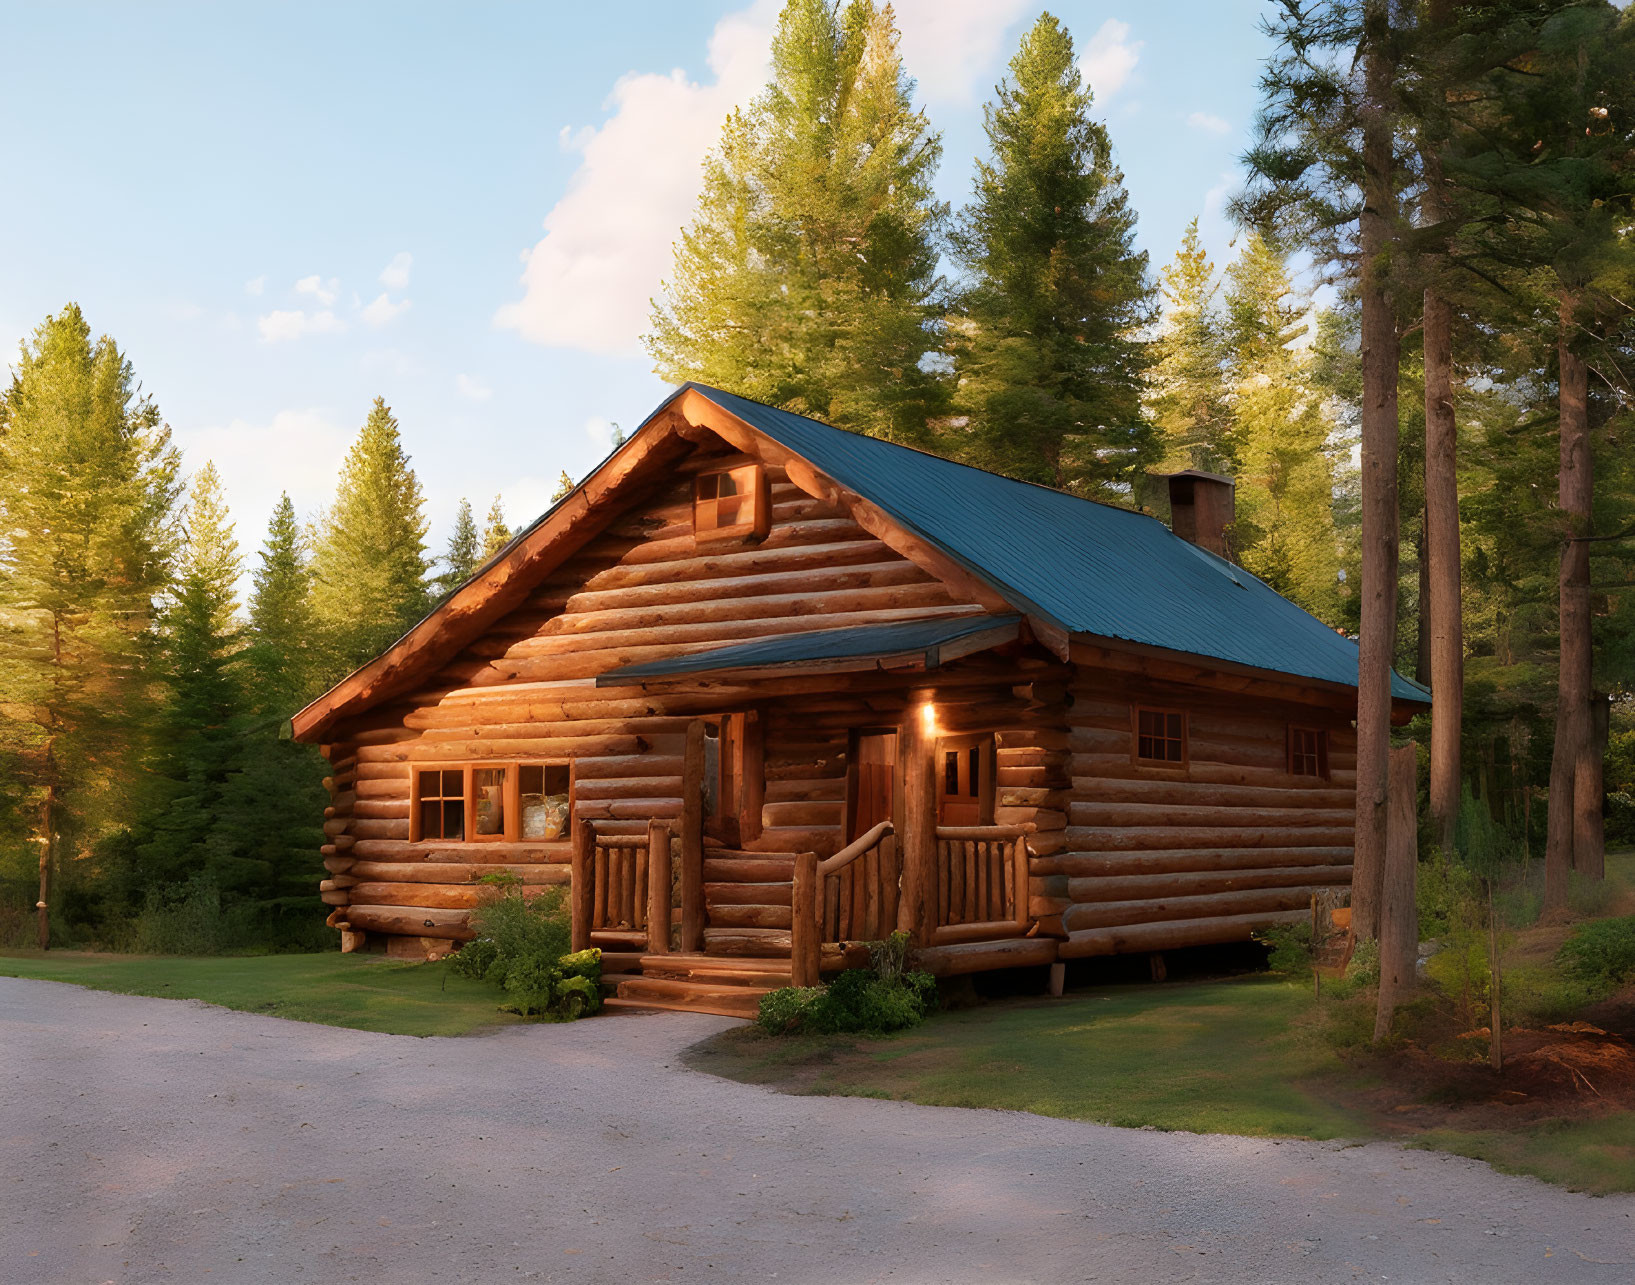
(155, 1140)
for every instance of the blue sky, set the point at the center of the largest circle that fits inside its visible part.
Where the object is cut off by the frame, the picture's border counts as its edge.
(284, 211)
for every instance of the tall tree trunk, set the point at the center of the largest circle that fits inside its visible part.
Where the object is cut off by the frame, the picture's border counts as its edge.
(1422, 621)
(1573, 738)
(1589, 794)
(1399, 915)
(1441, 529)
(1380, 535)
(48, 843)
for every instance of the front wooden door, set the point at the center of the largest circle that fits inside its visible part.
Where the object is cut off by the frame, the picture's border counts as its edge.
(874, 786)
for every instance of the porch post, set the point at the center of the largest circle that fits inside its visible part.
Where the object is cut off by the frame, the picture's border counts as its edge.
(581, 891)
(692, 840)
(919, 833)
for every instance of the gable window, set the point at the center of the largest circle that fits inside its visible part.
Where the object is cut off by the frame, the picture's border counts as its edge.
(733, 777)
(1308, 752)
(731, 502)
(965, 786)
(1160, 735)
(489, 803)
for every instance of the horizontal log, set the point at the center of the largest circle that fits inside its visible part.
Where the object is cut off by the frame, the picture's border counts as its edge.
(992, 930)
(1181, 860)
(1088, 839)
(777, 868)
(1144, 887)
(980, 957)
(747, 894)
(1285, 793)
(725, 916)
(1173, 935)
(446, 872)
(1109, 914)
(1175, 815)
(412, 921)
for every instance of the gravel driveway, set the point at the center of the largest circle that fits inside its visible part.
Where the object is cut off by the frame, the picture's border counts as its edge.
(156, 1140)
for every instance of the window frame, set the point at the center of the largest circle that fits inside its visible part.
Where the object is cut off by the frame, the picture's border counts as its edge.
(512, 785)
(741, 734)
(752, 482)
(1319, 752)
(1164, 711)
(987, 769)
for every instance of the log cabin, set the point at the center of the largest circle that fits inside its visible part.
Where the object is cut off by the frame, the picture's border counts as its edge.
(759, 690)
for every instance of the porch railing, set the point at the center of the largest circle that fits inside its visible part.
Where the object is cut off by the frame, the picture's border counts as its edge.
(980, 888)
(851, 896)
(621, 891)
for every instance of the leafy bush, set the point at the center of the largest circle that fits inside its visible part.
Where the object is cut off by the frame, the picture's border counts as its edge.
(884, 997)
(1288, 948)
(1601, 952)
(522, 947)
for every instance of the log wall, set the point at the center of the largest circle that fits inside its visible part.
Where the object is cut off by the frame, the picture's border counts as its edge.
(1157, 857)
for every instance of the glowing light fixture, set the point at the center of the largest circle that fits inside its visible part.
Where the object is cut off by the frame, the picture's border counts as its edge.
(928, 717)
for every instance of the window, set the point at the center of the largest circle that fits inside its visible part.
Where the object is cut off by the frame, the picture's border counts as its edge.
(731, 502)
(1160, 735)
(733, 777)
(489, 803)
(965, 788)
(1308, 752)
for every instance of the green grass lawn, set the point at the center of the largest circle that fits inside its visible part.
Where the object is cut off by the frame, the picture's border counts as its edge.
(365, 992)
(1231, 1055)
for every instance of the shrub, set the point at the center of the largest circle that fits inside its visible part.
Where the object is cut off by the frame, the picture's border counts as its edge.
(522, 947)
(1601, 953)
(1288, 948)
(884, 997)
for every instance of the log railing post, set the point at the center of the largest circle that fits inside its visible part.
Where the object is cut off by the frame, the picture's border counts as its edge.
(804, 929)
(1019, 875)
(658, 888)
(919, 830)
(692, 839)
(582, 891)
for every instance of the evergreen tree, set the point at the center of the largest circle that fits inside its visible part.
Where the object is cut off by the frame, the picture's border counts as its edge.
(1046, 343)
(1284, 531)
(369, 557)
(461, 559)
(200, 662)
(496, 535)
(564, 487)
(87, 484)
(807, 276)
(282, 629)
(1186, 403)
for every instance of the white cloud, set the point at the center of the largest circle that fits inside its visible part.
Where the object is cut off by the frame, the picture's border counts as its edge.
(600, 431)
(325, 292)
(1109, 58)
(1208, 121)
(292, 323)
(299, 451)
(395, 275)
(607, 241)
(474, 388)
(949, 45)
(381, 310)
(255, 285)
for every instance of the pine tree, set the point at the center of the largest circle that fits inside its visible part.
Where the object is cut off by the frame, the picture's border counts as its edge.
(564, 487)
(1284, 531)
(1045, 341)
(496, 535)
(369, 556)
(87, 484)
(461, 559)
(1186, 402)
(807, 276)
(200, 661)
(280, 653)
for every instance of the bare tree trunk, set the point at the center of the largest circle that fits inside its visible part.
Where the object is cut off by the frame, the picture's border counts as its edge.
(1399, 916)
(1442, 550)
(48, 833)
(1422, 621)
(1380, 535)
(1572, 741)
(1589, 786)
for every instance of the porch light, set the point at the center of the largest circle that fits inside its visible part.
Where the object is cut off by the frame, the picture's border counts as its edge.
(928, 718)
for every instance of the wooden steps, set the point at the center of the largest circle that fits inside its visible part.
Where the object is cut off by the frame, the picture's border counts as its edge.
(728, 985)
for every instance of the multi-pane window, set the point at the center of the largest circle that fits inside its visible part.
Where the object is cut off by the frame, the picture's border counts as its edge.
(1160, 735)
(731, 502)
(1308, 751)
(966, 793)
(489, 802)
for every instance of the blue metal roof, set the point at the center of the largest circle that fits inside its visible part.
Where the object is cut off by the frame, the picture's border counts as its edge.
(1091, 568)
(906, 640)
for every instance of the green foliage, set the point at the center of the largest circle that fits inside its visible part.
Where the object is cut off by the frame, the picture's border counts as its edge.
(1288, 949)
(1601, 952)
(1186, 393)
(369, 552)
(884, 997)
(1045, 337)
(281, 657)
(460, 560)
(496, 534)
(807, 276)
(522, 946)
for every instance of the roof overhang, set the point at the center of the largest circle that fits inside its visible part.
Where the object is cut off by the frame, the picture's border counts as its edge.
(907, 645)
